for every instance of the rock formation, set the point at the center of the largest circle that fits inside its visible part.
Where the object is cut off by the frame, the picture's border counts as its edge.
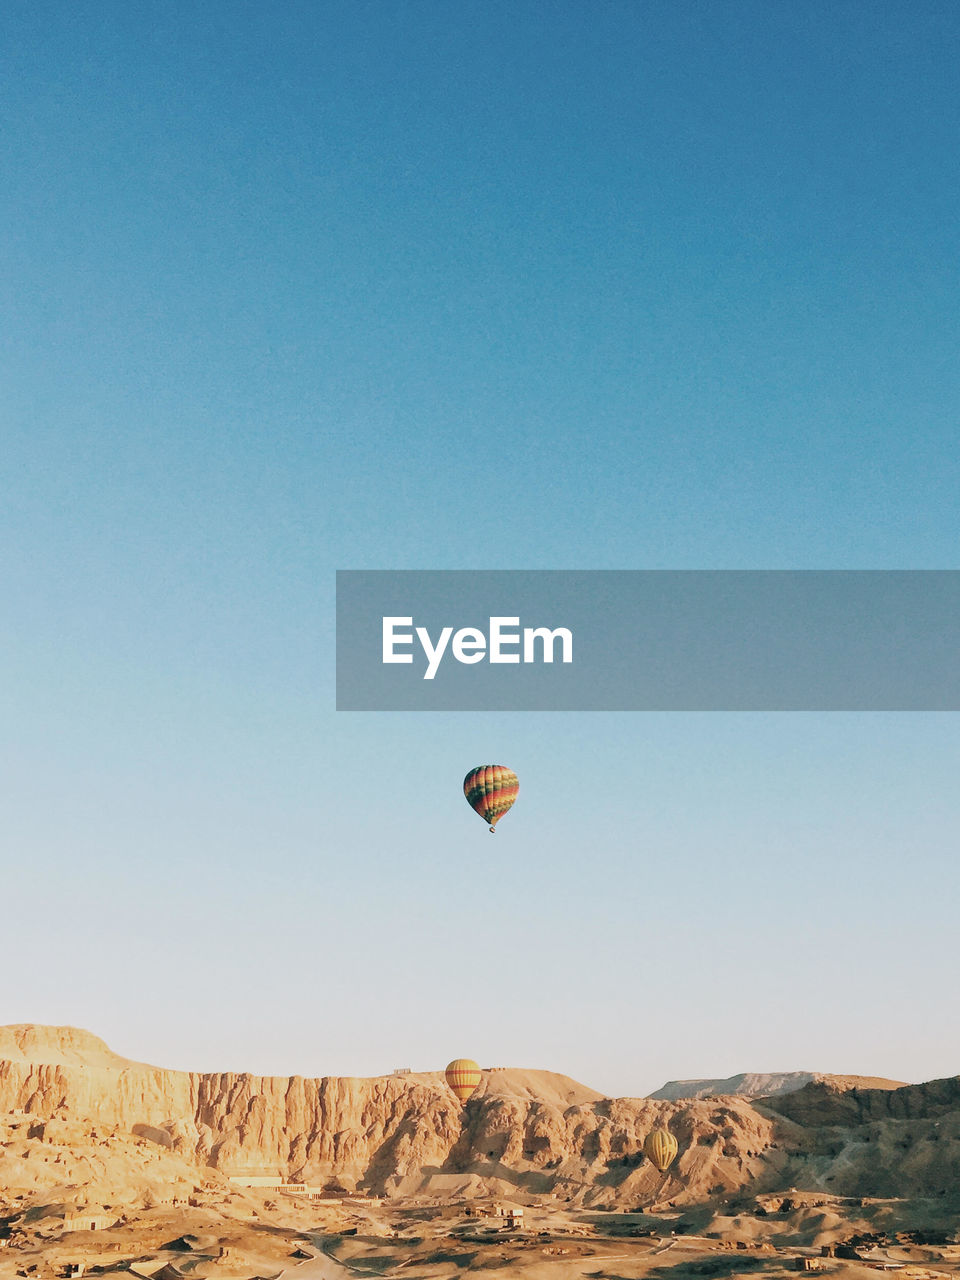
(752, 1084)
(527, 1131)
(390, 1132)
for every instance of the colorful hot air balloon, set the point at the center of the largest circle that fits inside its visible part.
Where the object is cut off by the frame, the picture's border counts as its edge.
(463, 1077)
(660, 1147)
(491, 789)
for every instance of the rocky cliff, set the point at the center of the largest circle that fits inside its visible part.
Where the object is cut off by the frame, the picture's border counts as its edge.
(524, 1131)
(524, 1128)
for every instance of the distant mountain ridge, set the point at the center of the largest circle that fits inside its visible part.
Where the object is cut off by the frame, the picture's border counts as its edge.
(765, 1084)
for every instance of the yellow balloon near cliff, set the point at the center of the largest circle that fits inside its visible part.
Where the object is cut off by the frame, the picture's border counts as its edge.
(463, 1077)
(660, 1147)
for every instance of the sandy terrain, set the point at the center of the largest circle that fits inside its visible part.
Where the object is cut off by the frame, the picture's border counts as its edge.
(237, 1237)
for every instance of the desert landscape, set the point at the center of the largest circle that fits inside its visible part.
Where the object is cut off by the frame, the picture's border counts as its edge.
(111, 1166)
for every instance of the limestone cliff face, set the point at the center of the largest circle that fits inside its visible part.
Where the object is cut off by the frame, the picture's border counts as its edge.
(233, 1121)
(44, 1070)
(593, 1151)
(525, 1130)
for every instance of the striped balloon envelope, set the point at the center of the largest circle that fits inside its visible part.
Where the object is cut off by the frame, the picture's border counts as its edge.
(491, 790)
(463, 1077)
(660, 1147)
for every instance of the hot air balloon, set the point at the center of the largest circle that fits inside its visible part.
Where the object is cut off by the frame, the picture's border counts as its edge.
(463, 1077)
(491, 789)
(660, 1147)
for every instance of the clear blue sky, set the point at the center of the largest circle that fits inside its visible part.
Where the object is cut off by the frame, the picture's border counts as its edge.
(291, 288)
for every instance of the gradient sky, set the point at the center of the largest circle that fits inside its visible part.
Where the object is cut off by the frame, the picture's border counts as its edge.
(292, 288)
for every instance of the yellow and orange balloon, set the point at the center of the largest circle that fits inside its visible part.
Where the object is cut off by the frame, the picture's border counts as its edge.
(491, 790)
(463, 1077)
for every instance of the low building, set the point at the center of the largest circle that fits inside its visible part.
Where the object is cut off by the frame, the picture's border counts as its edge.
(88, 1221)
(273, 1182)
(304, 1192)
(511, 1215)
